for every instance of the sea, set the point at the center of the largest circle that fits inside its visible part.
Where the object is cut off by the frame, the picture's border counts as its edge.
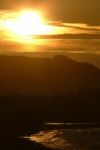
(68, 136)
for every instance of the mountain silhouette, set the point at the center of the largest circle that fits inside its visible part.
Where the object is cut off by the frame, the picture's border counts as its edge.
(45, 76)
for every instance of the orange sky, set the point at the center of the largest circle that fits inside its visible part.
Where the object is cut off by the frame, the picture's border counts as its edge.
(9, 25)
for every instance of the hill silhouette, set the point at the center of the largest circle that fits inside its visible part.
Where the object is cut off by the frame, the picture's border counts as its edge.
(38, 90)
(45, 76)
(90, 58)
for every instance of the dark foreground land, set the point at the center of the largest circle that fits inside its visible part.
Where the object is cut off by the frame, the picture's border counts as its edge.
(19, 144)
(34, 91)
(22, 119)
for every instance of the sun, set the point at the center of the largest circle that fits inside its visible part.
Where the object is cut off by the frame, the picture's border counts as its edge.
(24, 26)
(28, 23)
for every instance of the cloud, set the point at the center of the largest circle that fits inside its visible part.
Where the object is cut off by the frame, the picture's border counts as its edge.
(77, 27)
(83, 27)
(80, 30)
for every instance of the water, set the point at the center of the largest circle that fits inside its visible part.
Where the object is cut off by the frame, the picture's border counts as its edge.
(69, 139)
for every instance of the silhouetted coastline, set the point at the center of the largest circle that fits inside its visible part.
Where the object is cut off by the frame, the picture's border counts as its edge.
(36, 90)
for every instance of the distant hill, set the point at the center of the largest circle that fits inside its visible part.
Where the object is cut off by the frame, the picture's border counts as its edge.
(45, 76)
(86, 57)
(90, 58)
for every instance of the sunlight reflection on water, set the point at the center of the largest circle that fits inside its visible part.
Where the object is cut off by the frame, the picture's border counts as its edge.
(70, 139)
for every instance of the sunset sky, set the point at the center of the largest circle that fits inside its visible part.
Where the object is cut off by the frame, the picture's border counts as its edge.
(67, 11)
(20, 20)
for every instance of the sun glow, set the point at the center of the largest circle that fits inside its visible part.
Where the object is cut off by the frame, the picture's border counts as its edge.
(28, 23)
(24, 26)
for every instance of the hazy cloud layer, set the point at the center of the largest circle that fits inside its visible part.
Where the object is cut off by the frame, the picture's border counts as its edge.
(64, 27)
